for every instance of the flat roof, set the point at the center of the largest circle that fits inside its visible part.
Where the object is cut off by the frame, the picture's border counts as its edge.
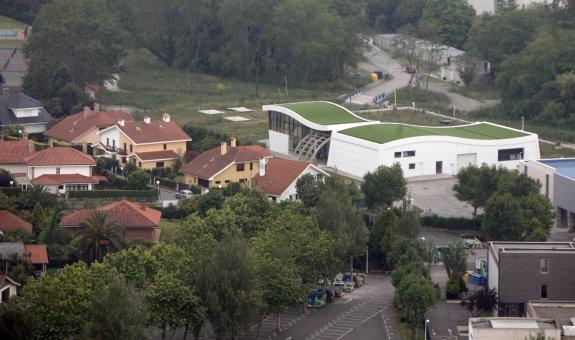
(324, 113)
(513, 323)
(561, 311)
(565, 167)
(388, 132)
(531, 247)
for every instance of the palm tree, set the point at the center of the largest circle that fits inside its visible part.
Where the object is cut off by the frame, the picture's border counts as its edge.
(99, 237)
(39, 194)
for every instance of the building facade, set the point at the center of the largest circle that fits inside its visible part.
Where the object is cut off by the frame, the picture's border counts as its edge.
(21, 110)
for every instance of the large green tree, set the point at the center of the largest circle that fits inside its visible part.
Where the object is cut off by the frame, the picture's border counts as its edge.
(476, 184)
(416, 294)
(99, 237)
(384, 186)
(453, 17)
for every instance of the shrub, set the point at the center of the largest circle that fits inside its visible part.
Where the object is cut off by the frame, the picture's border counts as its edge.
(151, 194)
(455, 286)
(453, 223)
(10, 191)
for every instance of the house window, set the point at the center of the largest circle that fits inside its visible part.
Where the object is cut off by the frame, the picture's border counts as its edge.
(319, 177)
(165, 146)
(397, 154)
(218, 182)
(525, 170)
(243, 180)
(510, 154)
(77, 187)
(139, 164)
(107, 141)
(125, 148)
(251, 165)
(240, 167)
(274, 199)
(544, 266)
(409, 153)
(227, 181)
(123, 159)
(547, 185)
(114, 143)
(411, 166)
(58, 171)
(159, 164)
(131, 148)
(544, 291)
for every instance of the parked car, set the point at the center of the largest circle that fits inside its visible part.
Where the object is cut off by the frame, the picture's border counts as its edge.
(316, 298)
(184, 194)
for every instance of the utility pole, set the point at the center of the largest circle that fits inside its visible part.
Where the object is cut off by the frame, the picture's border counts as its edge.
(394, 99)
(367, 259)
(522, 123)
(287, 93)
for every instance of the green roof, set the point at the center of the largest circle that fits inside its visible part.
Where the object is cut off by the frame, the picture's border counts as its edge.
(323, 113)
(384, 133)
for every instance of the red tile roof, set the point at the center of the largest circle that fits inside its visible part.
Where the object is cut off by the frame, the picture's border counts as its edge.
(154, 132)
(60, 156)
(157, 155)
(279, 175)
(14, 152)
(127, 214)
(57, 179)
(36, 253)
(9, 222)
(76, 125)
(212, 161)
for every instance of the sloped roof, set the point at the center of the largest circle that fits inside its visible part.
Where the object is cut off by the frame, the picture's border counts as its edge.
(6, 280)
(14, 152)
(154, 132)
(60, 156)
(127, 214)
(212, 161)
(280, 174)
(9, 222)
(36, 253)
(76, 125)
(57, 179)
(156, 155)
(21, 101)
(324, 113)
(9, 249)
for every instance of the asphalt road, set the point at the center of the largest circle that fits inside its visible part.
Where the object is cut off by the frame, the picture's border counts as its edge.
(436, 196)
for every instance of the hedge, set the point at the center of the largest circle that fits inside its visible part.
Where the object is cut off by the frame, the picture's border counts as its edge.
(453, 223)
(10, 191)
(147, 194)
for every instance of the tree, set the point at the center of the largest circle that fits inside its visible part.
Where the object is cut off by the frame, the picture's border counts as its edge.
(404, 250)
(229, 287)
(99, 237)
(38, 194)
(117, 312)
(409, 223)
(416, 294)
(503, 219)
(5, 177)
(382, 233)
(482, 302)
(454, 18)
(389, 15)
(173, 304)
(415, 267)
(475, 185)
(251, 209)
(13, 323)
(38, 218)
(308, 190)
(212, 200)
(517, 184)
(455, 258)
(137, 265)
(429, 252)
(384, 186)
(138, 180)
(455, 286)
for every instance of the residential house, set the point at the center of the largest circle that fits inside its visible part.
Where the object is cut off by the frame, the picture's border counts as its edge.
(277, 177)
(61, 169)
(148, 144)
(82, 128)
(486, 328)
(228, 163)
(526, 271)
(8, 288)
(557, 178)
(13, 154)
(37, 256)
(11, 222)
(139, 221)
(19, 109)
(10, 253)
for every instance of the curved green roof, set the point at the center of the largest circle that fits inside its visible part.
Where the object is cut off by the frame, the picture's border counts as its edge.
(323, 113)
(384, 133)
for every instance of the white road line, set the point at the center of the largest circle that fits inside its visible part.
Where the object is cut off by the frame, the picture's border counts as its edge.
(364, 321)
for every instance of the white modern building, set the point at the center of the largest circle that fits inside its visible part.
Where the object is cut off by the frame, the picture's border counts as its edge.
(328, 133)
(490, 6)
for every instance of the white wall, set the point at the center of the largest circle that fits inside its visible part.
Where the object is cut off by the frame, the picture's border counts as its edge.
(29, 112)
(35, 128)
(37, 171)
(279, 142)
(492, 271)
(291, 190)
(112, 134)
(538, 171)
(15, 168)
(356, 156)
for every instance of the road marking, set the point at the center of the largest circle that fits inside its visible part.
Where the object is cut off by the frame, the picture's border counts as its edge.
(364, 321)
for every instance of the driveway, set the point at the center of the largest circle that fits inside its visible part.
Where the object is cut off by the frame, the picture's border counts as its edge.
(436, 196)
(458, 101)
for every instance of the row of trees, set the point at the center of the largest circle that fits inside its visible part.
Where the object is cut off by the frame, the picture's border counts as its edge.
(513, 208)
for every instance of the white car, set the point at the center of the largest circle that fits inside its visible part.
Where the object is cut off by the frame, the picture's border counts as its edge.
(184, 194)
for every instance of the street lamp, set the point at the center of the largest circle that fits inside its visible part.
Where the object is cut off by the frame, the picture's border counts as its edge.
(11, 183)
(158, 184)
(425, 335)
(522, 123)
(20, 132)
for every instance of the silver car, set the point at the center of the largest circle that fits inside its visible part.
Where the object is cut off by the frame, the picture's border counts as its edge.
(184, 194)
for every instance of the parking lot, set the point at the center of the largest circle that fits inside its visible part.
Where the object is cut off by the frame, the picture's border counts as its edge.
(436, 196)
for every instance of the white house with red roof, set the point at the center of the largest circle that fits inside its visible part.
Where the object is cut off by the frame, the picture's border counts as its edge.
(13, 154)
(277, 177)
(139, 221)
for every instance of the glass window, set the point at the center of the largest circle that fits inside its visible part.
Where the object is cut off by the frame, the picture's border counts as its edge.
(319, 177)
(397, 154)
(218, 182)
(544, 266)
(547, 185)
(159, 164)
(251, 165)
(544, 291)
(411, 166)
(240, 167)
(227, 181)
(243, 180)
(107, 141)
(409, 153)
(58, 170)
(131, 148)
(165, 146)
(510, 154)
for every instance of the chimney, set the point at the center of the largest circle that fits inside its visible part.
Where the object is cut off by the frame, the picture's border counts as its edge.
(87, 111)
(96, 107)
(121, 122)
(166, 117)
(233, 142)
(262, 167)
(147, 120)
(24, 135)
(223, 148)
(31, 148)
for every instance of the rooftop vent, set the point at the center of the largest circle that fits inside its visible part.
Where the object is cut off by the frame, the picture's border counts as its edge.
(166, 117)
(147, 120)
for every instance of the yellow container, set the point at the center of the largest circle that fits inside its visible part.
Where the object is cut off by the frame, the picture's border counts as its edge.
(374, 77)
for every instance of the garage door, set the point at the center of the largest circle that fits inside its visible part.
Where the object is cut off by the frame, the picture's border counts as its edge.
(466, 159)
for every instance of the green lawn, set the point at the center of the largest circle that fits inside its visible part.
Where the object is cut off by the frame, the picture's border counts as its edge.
(323, 113)
(476, 92)
(427, 99)
(7, 23)
(548, 151)
(383, 133)
(151, 86)
(169, 228)
(413, 117)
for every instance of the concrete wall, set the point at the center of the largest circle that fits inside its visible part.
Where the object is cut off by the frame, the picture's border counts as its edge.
(15, 168)
(564, 193)
(538, 171)
(492, 270)
(91, 137)
(34, 128)
(279, 142)
(511, 334)
(37, 171)
(152, 164)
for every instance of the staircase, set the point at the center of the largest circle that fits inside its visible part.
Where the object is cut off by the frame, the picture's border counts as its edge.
(309, 146)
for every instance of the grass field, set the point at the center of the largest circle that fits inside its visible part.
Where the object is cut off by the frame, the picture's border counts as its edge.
(547, 151)
(151, 86)
(6, 22)
(169, 228)
(476, 92)
(407, 117)
(430, 100)
(322, 113)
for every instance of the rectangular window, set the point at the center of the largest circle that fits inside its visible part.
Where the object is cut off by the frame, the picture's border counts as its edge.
(544, 266)
(243, 180)
(397, 154)
(251, 165)
(240, 167)
(139, 164)
(165, 146)
(510, 154)
(525, 170)
(319, 177)
(58, 171)
(547, 185)
(409, 153)
(159, 164)
(113, 143)
(131, 148)
(107, 141)
(227, 181)
(544, 291)
(77, 187)
(411, 166)
(218, 182)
